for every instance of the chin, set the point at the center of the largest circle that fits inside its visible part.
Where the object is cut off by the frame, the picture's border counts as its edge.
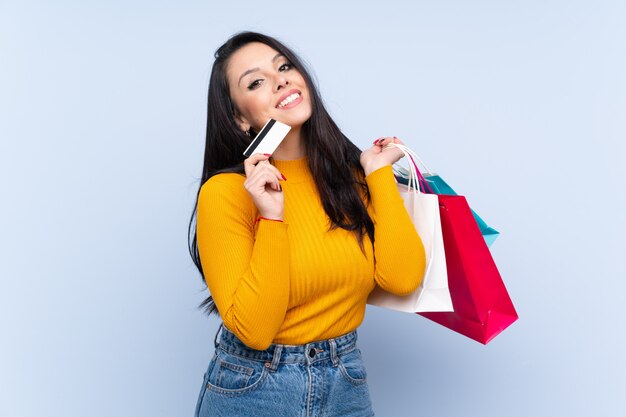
(296, 119)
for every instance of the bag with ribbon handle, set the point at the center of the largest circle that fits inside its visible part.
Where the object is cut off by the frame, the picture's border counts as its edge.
(433, 293)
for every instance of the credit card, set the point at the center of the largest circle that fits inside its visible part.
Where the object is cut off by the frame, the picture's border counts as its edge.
(268, 138)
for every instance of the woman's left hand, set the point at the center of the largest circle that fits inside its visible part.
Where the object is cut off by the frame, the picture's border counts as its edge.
(379, 155)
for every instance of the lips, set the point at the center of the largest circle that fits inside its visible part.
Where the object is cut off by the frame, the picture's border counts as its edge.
(287, 94)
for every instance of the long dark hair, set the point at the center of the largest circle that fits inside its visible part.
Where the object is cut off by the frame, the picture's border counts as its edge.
(332, 158)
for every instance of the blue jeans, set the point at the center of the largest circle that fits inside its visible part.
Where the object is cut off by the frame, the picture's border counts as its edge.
(325, 378)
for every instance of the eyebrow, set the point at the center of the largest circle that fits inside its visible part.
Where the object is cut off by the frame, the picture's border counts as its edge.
(251, 70)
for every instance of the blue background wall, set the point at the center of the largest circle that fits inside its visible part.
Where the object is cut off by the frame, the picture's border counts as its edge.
(520, 105)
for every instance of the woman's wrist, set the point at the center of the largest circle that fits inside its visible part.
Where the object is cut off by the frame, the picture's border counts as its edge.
(271, 215)
(268, 218)
(373, 168)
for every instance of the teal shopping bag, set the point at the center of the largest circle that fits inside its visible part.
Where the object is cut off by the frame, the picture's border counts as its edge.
(439, 186)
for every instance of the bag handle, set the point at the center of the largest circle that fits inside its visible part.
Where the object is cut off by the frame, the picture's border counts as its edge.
(407, 150)
(415, 176)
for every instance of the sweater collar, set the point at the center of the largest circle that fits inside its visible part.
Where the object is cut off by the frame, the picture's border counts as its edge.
(295, 170)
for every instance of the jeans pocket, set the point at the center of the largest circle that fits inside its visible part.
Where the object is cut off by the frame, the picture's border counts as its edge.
(234, 374)
(352, 367)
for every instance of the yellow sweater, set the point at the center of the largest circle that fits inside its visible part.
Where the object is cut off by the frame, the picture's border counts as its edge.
(294, 282)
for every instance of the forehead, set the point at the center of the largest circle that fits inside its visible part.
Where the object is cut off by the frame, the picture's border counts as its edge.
(252, 55)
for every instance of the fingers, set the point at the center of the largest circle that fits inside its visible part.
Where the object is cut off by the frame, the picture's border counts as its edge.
(259, 173)
(250, 163)
(381, 145)
(384, 141)
(258, 182)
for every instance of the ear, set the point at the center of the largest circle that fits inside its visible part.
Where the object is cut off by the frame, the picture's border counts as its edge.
(243, 123)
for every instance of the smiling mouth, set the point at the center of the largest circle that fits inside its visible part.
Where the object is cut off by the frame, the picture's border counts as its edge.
(288, 100)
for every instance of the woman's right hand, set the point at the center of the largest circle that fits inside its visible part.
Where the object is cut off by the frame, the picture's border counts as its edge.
(262, 183)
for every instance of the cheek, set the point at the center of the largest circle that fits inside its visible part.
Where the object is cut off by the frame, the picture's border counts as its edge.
(260, 116)
(258, 110)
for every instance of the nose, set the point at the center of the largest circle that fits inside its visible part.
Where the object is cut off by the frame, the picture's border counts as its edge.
(281, 82)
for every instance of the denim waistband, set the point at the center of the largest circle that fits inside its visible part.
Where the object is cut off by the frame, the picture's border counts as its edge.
(278, 353)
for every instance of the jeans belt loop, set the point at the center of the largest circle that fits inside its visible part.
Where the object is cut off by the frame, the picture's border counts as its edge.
(333, 352)
(276, 359)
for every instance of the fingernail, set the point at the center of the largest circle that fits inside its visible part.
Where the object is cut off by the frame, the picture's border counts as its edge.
(283, 177)
(267, 154)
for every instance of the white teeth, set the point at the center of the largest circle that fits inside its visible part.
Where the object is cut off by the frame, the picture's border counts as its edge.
(288, 99)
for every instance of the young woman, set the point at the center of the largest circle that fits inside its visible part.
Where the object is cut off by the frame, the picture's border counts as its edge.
(291, 244)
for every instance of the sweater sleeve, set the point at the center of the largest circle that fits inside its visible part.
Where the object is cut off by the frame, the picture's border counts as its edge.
(400, 261)
(246, 266)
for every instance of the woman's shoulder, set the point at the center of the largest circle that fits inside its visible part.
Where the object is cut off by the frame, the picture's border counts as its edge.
(225, 180)
(224, 186)
(225, 192)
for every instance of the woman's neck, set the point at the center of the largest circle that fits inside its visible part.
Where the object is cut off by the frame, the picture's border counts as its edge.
(292, 147)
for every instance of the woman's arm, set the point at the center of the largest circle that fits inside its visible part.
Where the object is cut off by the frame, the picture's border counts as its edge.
(400, 261)
(247, 273)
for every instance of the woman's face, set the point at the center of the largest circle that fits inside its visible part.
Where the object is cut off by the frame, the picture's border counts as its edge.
(263, 84)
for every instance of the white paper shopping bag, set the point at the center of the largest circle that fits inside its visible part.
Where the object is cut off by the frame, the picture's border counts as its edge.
(433, 294)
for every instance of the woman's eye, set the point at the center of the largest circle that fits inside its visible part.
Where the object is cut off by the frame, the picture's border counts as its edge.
(254, 84)
(285, 67)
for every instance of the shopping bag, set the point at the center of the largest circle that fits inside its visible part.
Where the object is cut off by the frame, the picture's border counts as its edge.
(439, 186)
(436, 185)
(433, 293)
(482, 306)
